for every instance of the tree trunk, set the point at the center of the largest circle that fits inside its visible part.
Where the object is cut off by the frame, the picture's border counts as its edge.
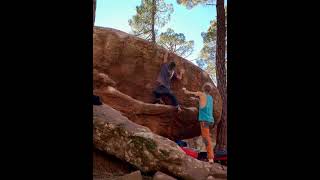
(153, 21)
(94, 11)
(221, 74)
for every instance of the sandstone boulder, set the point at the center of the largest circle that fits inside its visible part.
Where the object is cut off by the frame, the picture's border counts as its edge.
(116, 135)
(161, 176)
(131, 65)
(132, 176)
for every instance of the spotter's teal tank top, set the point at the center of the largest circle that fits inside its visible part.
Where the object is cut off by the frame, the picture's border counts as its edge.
(205, 113)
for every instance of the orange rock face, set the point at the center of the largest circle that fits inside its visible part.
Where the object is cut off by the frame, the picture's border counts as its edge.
(131, 65)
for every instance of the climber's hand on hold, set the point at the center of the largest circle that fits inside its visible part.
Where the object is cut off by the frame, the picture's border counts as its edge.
(184, 90)
(166, 54)
(180, 74)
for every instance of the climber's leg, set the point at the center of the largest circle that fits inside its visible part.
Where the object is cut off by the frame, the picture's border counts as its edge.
(164, 91)
(158, 93)
(172, 98)
(205, 133)
(158, 97)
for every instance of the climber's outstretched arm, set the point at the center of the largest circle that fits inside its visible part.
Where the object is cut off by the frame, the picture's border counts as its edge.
(195, 98)
(165, 57)
(190, 92)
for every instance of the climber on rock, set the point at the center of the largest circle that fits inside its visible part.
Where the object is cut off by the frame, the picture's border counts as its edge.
(205, 115)
(167, 73)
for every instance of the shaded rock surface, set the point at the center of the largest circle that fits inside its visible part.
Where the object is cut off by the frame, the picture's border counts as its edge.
(131, 65)
(108, 166)
(132, 176)
(116, 135)
(161, 176)
(160, 119)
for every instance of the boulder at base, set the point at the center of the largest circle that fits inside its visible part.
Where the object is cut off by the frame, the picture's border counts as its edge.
(132, 176)
(161, 176)
(116, 135)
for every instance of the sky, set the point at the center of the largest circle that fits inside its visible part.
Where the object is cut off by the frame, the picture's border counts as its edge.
(191, 22)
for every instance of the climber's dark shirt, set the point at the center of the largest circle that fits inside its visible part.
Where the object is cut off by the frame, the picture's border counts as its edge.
(166, 75)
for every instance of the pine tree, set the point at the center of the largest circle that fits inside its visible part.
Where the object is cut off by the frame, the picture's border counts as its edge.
(176, 43)
(151, 16)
